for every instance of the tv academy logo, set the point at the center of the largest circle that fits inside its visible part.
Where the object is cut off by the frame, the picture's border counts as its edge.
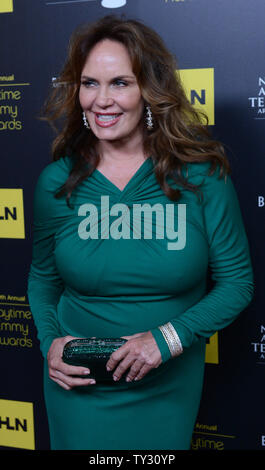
(258, 347)
(257, 103)
(127, 218)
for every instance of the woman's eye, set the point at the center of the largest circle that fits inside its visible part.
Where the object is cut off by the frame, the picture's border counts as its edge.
(88, 83)
(92, 83)
(120, 83)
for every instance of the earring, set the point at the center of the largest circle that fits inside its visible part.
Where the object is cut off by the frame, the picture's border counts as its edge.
(149, 118)
(85, 120)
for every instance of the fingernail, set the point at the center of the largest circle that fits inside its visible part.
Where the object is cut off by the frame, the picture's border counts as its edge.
(86, 372)
(115, 378)
(108, 368)
(128, 379)
(92, 382)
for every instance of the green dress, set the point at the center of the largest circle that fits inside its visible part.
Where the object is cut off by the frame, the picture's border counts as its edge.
(83, 284)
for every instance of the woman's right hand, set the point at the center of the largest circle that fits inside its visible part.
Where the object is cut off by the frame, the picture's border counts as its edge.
(64, 374)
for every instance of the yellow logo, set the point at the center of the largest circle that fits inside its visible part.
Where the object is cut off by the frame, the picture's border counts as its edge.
(17, 424)
(6, 6)
(11, 213)
(212, 353)
(199, 87)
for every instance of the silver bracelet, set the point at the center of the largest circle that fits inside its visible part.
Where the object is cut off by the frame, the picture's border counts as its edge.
(172, 339)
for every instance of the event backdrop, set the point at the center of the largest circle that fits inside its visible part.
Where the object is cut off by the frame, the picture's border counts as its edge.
(220, 49)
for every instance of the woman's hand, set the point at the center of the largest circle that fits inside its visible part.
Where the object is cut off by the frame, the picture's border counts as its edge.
(62, 373)
(140, 353)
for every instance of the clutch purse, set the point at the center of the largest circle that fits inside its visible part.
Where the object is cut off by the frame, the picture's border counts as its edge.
(94, 354)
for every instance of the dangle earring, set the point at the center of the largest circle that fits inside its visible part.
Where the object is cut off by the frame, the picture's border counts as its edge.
(149, 118)
(85, 120)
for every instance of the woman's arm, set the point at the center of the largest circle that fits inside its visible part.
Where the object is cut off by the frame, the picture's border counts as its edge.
(231, 271)
(230, 265)
(44, 283)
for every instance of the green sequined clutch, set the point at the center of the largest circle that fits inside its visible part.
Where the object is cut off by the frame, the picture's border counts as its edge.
(94, 354)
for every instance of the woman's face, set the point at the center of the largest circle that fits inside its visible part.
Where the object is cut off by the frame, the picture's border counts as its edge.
(109, 93)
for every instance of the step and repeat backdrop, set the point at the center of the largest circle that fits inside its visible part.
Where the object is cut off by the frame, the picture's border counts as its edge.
(220, 49)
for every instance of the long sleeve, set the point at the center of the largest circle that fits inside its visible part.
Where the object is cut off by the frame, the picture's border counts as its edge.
(230, 267)
(44, 283)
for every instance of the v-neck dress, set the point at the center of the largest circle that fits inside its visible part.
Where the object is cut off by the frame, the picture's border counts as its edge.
(95, 271)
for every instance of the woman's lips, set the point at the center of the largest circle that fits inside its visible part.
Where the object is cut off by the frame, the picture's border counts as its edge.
(106, 120)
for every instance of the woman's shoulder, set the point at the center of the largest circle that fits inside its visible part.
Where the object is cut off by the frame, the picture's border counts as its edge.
(51, 178)
(198, 168)
(214, 183)
(216, 187)
(203, 173)
(55, 173)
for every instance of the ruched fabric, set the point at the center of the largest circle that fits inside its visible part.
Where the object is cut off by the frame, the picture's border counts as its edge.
(104, 268)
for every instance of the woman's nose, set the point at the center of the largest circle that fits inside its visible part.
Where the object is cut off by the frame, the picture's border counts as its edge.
(103, 97)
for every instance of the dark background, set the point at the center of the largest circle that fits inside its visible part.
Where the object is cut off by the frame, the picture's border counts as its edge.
(221, 34)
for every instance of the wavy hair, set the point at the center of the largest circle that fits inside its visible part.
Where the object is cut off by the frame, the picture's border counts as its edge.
(180, 134)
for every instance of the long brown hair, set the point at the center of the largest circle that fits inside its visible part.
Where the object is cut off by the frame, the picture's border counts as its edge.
(180, 134)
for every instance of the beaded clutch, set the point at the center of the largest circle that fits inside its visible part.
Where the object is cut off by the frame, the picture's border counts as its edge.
(94, 354)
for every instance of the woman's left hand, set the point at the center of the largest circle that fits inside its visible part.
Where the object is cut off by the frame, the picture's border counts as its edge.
(140, 353)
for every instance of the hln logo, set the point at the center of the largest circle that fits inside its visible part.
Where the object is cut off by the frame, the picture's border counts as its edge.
(11, 213)
(17, 424)
(199, 87)
(6, 6)
(212, 355)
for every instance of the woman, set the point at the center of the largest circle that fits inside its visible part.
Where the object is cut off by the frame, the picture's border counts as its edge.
(131, 139)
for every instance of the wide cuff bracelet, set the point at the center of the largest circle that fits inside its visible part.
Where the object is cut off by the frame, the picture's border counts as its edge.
(172, 339)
